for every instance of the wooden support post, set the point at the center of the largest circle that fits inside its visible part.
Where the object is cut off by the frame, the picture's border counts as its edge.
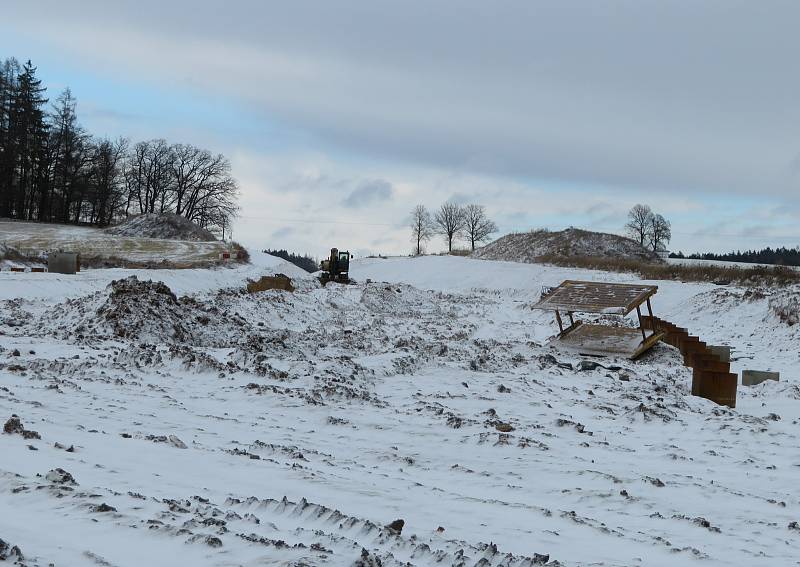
(560, 324)
(571, 320)
(652, 319)
(641, 325)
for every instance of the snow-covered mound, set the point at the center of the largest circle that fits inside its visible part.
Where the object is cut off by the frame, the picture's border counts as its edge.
(165, 225)
(528, 246)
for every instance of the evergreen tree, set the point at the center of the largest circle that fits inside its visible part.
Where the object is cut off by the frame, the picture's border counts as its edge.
(9, 71)
(27, 140)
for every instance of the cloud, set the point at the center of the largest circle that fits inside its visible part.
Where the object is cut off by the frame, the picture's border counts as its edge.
(563, 113)
(592, 94)
(369, 193)
(282, 232)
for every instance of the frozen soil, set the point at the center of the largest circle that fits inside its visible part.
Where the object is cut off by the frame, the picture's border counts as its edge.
(224, 428)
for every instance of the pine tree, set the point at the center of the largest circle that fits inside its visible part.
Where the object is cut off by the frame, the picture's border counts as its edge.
(70, 159)
(27, 139)
(9, 71)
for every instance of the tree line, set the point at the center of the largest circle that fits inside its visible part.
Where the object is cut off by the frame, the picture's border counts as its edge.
(53, 170)
(648, 228)
(779, 256)
(451, 221)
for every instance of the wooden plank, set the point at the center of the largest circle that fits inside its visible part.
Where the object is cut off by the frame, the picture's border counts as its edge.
(603, 340)
(719, 387)
(711, 365)
(647, 344)
(571, 328)
(596, 297)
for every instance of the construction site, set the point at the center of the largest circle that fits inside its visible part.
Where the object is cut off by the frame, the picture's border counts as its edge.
(431, 410)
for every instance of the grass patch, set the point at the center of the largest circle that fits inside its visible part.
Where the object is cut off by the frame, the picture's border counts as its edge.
(772, 276)
(8, 253)
(459, 252)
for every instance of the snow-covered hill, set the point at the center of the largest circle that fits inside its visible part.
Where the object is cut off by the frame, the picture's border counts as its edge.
(31, 239)
(163, 226)
(571, 242)
(200, 425)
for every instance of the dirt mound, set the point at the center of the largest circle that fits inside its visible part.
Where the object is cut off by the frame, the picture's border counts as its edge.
(143, 309)
(143, 312)
(530, 246)
(166, 226)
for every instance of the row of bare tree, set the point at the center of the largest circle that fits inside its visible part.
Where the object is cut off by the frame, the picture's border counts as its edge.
(450, 221)
(648, 228)
(52, 170)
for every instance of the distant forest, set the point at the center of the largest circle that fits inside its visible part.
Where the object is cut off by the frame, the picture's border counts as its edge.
(52, 170)
(779, 256)
(307, 263)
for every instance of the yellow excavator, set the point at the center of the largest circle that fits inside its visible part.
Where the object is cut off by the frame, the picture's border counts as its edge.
(335, 268)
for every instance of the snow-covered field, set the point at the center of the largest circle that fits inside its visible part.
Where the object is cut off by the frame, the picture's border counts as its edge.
(223, 428)
(32, 238)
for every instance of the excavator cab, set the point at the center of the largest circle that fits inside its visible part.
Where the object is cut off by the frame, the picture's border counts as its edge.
(344, 261)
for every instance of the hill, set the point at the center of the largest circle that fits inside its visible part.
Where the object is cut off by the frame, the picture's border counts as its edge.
(99, 248)
(530, 247)
(164, 225)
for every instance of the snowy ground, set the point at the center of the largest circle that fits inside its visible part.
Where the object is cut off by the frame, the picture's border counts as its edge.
(290, 429)
(32, 238)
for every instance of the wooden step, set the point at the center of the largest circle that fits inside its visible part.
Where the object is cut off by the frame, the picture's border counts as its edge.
(719, 387)
(711, 377)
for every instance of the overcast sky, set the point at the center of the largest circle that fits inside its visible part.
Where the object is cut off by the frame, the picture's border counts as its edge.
(339, 117)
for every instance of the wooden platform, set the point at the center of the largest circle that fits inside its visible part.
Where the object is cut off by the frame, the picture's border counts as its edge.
(602, 340)
(596, 297)
(602, 298)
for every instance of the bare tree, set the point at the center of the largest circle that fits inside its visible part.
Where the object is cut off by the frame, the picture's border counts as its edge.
(422, 227)
(660, 232)
(639, 223)
(51, 169)
(151, 175)
(477, 225)
(449, 222)
(106, 179)
(203, 181)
